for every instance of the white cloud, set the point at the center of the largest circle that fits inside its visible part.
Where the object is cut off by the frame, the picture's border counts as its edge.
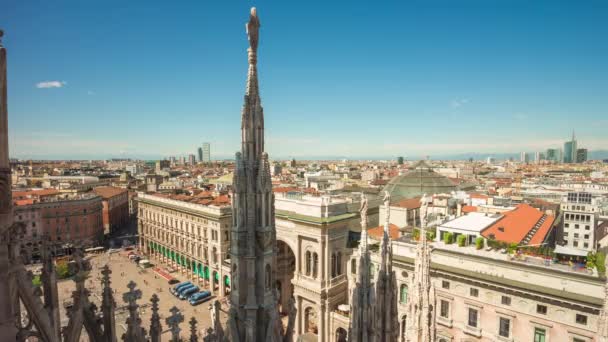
(458, 103)
(50, 84)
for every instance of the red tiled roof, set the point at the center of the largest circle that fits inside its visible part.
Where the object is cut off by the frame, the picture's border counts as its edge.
(378, 232)
(411, 203)
(379, 182)
(221, 200)
(515, 225)
(479, 196)
(26, 201)
(469, 208)
(108, 191)
(34, 193)
(284, 189)
(543, 231)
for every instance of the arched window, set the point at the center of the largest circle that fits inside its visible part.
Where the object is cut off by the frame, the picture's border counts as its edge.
(308, 263)
(333, 265)
(268, 277)
(339, 263)
(315, 264)
(353, 266)
(403, 294)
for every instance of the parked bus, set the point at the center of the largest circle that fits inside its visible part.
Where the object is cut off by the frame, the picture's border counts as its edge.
(176, 288)
(199, 297)
(181, 290)
(185, 294)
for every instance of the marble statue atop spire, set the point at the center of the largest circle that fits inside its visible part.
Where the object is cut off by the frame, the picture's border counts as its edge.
(362, 300)
(253, 29)
(386, 314)
(421, 302)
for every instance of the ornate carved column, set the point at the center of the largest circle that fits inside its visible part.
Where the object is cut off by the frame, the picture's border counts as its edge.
(155, 325)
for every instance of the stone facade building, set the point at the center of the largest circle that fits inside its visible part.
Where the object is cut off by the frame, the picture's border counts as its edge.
(62, 219)
(314, 238)
(194, 238)
(115, 207)
(580, 212)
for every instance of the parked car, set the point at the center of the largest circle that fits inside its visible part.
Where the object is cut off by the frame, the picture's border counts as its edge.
(173, 281)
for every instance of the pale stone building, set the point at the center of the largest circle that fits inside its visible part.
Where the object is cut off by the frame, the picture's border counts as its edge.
(482, 296)
(313, 235)
(191, 237)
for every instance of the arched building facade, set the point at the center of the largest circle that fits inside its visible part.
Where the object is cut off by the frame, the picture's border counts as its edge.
(192, 238)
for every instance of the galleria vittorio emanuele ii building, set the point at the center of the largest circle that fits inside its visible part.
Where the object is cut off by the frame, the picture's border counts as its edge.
(297, 266)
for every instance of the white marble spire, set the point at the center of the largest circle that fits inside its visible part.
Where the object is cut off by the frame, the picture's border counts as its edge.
(421, 301)
(253, 310)
(386, 314)
(362, 300)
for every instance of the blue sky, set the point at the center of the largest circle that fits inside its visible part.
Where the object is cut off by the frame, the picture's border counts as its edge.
(346, 78)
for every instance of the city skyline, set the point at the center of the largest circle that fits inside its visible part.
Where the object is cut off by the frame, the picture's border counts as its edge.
(429, 87)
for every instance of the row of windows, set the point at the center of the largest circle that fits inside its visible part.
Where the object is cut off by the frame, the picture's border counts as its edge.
(576, 235)
(577, 226)
(214, 233)
(578, 217)
(505, 300)
(504, 324)
(197, 251)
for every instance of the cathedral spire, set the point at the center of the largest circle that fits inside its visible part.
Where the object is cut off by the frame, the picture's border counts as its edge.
(421, 303)
(253, 311)
(362, 300)
(386, 314)
(252, 120)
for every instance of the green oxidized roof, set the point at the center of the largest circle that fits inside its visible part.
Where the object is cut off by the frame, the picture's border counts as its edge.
(420, 180)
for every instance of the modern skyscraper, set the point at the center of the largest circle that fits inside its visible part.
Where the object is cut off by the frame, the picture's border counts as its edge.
(523, 157)
(581, 155)
(570, 150)
(206, 152)
(200, 154)
(191, 159)
(554, 155)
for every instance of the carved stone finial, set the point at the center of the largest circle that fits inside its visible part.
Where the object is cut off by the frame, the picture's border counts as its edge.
(193, 336)
(105, 279)
(173, 323)
(134, 330)
(132, 295)
(155, 326)
(1, 35)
